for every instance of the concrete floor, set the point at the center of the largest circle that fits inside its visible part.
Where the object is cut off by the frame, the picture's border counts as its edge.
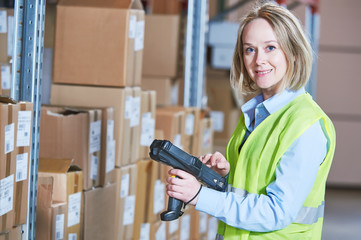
(342, 214)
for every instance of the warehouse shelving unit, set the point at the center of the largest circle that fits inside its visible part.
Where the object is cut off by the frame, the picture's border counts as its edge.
(26, 84)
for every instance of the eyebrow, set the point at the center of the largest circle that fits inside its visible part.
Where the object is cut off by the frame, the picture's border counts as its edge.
(270, 41)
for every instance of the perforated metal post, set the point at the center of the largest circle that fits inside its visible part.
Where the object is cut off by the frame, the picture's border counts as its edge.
(26, 84)
(197, 27)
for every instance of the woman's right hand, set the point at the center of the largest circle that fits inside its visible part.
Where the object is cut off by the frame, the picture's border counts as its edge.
(217, 162)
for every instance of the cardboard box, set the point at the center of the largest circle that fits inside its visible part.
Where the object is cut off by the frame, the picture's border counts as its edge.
(14, 234)
(164, 87)
(166, 6)
(199, 225)
(51, 216)
(9, 123)
(224, 110)
(204, 138)
(99, 214)
(172, 122)
(122, 101)
(332, 94)
(125, 201)
(147, 124)
(6, 34)
(23, 151)
(161, 45)
(73, 133)
(80, 47)
(346, 162)
(5, 78)
(68, 185)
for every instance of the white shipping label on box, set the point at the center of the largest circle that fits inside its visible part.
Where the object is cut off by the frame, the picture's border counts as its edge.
(10, 35)
(74, 203)
(185, 227)
(3, 23)
(177, 141)
(9, 138)
(5, 77)
(158, 198)
(189, 124)
(129, 210)
(139, 36)
(72, 236)
(173, 226)
(110, 161)
(24, 128)
(59, 226)
(218, 120)
(206, 141)
(135, 112)
(132, 26)
(21, 167)
(124, 185)
(128, 107)
(148, 129)
(95, 136)
(145, 231)
(161, 232)
(6, 194)
(212, 227)
(110, 130)
(203, 219)
(94, 167)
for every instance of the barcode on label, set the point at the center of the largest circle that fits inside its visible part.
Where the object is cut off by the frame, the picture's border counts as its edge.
(57, 235)
(7, 147)
(19, 175)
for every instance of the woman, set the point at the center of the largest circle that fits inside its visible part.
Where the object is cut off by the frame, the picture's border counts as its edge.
(280, 153)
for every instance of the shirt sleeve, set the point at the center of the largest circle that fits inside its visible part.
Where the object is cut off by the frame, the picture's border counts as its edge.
(295, 176)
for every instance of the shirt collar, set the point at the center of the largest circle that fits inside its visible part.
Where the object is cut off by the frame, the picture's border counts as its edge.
(272, 104)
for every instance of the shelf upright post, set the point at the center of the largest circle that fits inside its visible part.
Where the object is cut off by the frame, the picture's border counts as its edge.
(313, 28)
(195, 53)
(26, 85)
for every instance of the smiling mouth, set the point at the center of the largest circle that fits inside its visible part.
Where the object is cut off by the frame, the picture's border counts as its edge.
(263, 72)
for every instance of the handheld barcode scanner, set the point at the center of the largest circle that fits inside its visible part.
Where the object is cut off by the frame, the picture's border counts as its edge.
(165, 152)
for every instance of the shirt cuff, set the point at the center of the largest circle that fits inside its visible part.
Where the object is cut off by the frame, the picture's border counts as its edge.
(204, 204)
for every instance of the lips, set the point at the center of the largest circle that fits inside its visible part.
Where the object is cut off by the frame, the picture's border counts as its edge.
(263, 72)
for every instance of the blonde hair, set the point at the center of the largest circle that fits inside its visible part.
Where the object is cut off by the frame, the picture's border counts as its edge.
(292, 40)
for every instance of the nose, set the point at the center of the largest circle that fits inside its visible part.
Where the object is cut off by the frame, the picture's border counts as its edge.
(260, 58)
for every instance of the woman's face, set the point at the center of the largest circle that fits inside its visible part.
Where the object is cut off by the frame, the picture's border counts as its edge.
(263, 57)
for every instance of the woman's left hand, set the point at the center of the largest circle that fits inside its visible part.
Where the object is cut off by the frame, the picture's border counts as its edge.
(183, 188)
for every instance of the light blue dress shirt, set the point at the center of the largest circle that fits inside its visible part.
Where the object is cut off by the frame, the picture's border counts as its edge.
(295, 176)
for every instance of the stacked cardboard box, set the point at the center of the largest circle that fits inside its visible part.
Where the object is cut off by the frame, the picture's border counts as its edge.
(67, 187)
(16, 120)
(337, 90)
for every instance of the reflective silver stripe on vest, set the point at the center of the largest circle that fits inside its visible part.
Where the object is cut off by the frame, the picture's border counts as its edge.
(310, 215)
(307, 215)
(219, 237)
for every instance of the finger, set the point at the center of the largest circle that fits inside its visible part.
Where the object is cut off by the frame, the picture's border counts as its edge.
(180, 173)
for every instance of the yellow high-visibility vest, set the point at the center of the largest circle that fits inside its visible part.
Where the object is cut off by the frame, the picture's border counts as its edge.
(254, 167)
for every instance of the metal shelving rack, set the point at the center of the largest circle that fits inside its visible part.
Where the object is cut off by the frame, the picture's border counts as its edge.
(26, 84)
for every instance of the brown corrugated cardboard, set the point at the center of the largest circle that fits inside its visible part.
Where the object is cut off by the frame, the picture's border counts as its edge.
(68, 185)
(14, 234)
(119, 98)
(161, 42)
(162, 85)
(166, 6)
(158, 230)
(23, 146)
(204, 138)
(147, 123)
(6, 34)
(73, 133)
(8, 121)
(172, 122)
(51, 216)
(99, 212)
(125, 201)
(78, 54)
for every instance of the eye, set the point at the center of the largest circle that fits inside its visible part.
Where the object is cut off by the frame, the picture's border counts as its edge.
(270, 48)
(249, 50)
